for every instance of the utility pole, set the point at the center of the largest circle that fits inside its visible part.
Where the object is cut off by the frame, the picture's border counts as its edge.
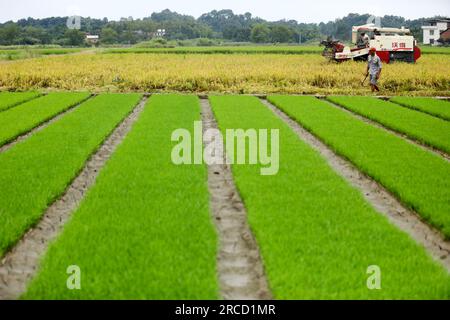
(300, 38)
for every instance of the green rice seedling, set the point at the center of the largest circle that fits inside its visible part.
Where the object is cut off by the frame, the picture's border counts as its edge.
(35, 172)
(25, 117)
(435, 107)
(12, 99)
(419, 178)
(144, 230)
(417, 125)
(318, 237)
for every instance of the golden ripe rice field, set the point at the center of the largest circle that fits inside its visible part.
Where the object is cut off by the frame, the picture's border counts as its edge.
(230, 73)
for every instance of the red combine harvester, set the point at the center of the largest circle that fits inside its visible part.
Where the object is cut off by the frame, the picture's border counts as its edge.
(392, 44)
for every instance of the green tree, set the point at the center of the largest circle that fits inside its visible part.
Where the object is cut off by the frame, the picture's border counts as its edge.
(260, 33)
(9, 33)
(281, 34)
(108, 35)
(75, 37)
(35, 35)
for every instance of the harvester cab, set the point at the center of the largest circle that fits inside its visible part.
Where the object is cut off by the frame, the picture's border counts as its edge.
(392, 44)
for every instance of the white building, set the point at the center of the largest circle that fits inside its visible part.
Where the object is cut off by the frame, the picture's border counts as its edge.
(92, 39)
(160, 33)
(432, 31)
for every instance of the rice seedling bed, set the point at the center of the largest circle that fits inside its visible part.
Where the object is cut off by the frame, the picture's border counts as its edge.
(435, 107)
(144, 230)
(418, 178)
(23, 118)
(35, 172)
(12, 99)
(416, 125)
(316, 233)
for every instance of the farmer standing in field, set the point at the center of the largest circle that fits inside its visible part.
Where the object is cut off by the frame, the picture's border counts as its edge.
(374, 69)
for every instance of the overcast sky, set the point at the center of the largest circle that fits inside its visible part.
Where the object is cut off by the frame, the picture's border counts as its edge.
(300, 10)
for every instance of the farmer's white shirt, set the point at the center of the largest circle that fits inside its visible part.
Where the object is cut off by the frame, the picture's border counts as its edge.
(374, 64)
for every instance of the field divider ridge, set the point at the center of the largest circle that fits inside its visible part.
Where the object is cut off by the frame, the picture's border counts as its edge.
(240, 268)
(43, 125)
(374, 123)
(379, 198)
(20, 264)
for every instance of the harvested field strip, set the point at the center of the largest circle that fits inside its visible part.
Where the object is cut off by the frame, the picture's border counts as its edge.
(434, 107)
(224, 50)
(416, 125)
(317, 235)
(12, 99)
(144, 230)
(35, 172)
(23, 118)
(28, 53)
(435, 50)
(420, 179)
(259, 49)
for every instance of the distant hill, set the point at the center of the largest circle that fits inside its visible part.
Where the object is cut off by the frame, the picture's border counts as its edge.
(222, 24)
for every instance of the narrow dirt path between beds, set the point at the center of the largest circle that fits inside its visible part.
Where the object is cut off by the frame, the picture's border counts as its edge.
(240, 269)
(384, 202)
(22, 262)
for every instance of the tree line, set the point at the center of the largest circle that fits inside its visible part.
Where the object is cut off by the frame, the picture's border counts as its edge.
(223, 24)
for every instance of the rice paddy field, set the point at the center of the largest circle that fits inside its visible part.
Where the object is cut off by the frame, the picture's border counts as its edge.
(89, 183)
(241, 70)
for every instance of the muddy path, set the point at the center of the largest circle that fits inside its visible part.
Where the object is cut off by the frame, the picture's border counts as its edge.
(380, 199)
(239, 264)
(20, 264)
